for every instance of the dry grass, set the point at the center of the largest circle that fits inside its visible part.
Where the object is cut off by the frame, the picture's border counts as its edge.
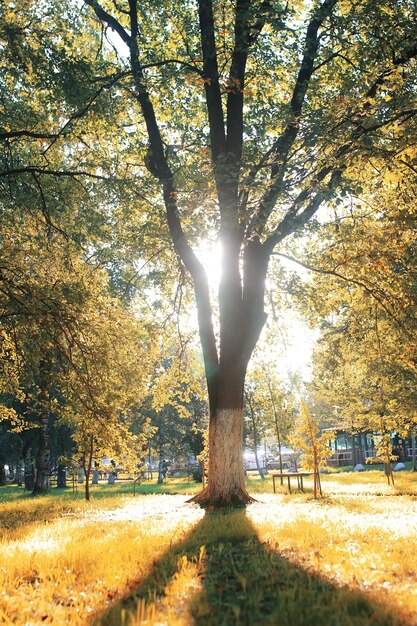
(351, 556)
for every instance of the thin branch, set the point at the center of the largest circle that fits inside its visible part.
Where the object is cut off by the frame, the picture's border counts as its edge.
(81, 112)
(58, 173)
(353, 281)
(45, 211)
(185, 64)
(27, 133)
(281, 148)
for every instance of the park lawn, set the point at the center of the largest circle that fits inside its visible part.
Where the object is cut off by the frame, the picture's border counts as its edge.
(347, 560)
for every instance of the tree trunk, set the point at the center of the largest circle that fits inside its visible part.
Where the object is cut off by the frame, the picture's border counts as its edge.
(43, 465)
(161, 467)
(413, 451)
(87, 468)
(226, 477)
(20, 472)
(255, 434)
(279, 447)
(2, 472)
(316, 473)
(29, 470)
(255, 448)
(43, 458)
(389, 473)
(61, 477)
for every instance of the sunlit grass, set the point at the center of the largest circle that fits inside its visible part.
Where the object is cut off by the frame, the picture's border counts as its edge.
(350, 555)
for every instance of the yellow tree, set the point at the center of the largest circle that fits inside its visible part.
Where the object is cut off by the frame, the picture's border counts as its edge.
(363, 297)
(106, 371)
(313, 444)
(75, 348)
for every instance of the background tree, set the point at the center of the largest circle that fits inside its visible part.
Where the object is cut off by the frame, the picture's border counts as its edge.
(75, 348)
(270, 405)
(313, 444)
(176, 407)
(254, 413)
(363, 296)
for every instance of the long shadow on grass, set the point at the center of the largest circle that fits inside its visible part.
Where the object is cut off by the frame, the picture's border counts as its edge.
(246, 583)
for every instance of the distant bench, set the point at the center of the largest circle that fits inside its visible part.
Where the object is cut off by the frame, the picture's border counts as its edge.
(288, 475)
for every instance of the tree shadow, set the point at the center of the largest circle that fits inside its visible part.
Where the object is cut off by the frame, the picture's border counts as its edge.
(246, 583)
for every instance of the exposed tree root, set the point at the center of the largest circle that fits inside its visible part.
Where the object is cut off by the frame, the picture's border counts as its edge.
(209, 499)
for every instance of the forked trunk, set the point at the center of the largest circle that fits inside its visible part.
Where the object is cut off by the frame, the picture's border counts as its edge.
(241, 320)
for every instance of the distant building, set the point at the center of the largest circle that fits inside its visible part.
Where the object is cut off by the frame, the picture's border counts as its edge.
(351, 449)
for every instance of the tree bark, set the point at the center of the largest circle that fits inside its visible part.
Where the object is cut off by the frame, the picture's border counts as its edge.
(278, 434)
(280, 455)
(20, 471)
(255, 447)
(226, 478)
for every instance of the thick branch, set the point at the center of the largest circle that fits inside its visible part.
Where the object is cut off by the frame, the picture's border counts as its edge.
(280, 150)
(237, 78)
(246, 33)
(397, 61)
(201, 290)
(293, 220)
(211, 79)
(109, 19)
(156, 159)
(255, 267)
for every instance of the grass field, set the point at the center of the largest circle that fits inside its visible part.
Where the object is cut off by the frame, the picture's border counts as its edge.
(346, 560)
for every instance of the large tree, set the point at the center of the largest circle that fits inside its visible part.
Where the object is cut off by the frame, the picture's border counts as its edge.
(252, 114)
